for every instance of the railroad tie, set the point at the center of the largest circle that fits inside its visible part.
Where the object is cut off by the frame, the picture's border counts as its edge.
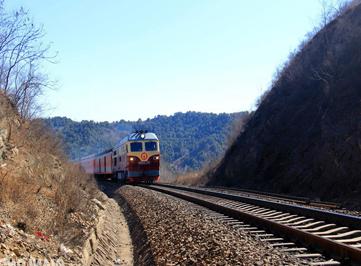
(309, 225)
(287, 218)
(293, 249)
(283, 244)
(302, 222)
(265, 235)
(322, 227)
(293, 220)
(272, 239)
(335, 230)
(308, 255)
(257, 231)
(247, 228)
(325, 263)
(349, 233)
(349, 241)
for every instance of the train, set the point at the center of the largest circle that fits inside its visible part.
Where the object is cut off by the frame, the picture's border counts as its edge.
(134, 159)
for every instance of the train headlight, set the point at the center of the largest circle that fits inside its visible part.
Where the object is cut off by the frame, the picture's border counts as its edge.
(133, 159)
(156, 158)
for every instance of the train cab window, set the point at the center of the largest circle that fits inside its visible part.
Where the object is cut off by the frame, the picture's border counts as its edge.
(151, 146)
(136, 146)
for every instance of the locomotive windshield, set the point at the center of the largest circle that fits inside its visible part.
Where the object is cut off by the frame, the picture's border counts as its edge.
(136, 146)
(151, 146)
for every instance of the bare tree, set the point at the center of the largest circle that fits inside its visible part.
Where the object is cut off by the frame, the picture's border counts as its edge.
(329, 71)
(22, 54)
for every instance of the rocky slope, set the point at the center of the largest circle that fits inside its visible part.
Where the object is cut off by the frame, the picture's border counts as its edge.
(305, 137)
(49, 209)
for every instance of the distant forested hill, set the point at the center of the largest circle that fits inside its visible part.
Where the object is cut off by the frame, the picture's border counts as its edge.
(188, 140)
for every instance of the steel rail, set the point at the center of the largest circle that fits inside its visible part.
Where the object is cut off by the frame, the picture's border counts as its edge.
(350, 221)
(296, 199)
(331, 247)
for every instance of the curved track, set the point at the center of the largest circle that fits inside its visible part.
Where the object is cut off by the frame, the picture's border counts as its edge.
(335, 235)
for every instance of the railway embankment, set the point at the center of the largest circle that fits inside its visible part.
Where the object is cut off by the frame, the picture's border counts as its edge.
(109, 241)
(106, 241)
(173, 231)
(50, 211)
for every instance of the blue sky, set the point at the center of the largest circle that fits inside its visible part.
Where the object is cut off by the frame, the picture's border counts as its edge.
(136, 59)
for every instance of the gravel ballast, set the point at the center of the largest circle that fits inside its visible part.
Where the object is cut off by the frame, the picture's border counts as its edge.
(183, 233)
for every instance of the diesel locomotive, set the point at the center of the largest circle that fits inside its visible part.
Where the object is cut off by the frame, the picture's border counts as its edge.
(134, 159)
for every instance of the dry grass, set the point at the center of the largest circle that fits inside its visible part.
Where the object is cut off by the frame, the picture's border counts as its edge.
(202, 176)
(192, 178)
(38, 186)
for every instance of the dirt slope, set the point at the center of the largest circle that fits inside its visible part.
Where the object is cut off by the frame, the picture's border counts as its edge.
(305, 137)
(47, 207)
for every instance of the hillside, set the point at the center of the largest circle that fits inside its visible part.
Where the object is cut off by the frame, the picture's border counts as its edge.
(47, 204)
(188, 140)
(305, 137)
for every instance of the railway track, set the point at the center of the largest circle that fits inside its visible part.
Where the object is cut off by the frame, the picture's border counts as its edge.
(281, 197)
(318, 236)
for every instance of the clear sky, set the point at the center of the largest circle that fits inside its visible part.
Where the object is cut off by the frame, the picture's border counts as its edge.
(130, 59)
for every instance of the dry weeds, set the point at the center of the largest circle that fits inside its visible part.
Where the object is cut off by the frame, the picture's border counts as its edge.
(202, 176)
(39, 188)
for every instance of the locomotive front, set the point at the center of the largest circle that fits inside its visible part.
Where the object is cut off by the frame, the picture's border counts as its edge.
(143, 158)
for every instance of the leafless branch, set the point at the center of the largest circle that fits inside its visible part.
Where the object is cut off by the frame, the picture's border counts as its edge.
(21, 55)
